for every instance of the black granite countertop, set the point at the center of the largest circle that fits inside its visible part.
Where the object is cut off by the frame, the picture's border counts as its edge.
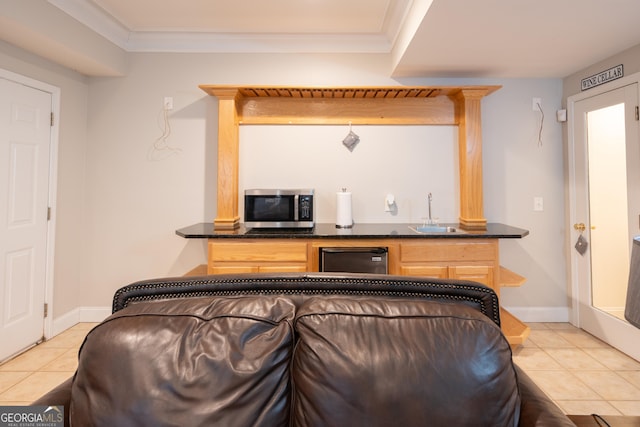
(206, 230)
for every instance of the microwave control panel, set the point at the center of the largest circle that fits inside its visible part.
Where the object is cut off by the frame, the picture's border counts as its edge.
(305, 208)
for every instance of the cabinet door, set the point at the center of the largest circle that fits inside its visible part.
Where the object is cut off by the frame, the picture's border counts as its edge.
(477, 273)
(436, 271)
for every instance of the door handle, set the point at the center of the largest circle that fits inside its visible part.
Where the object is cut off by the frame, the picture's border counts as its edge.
(581, 227)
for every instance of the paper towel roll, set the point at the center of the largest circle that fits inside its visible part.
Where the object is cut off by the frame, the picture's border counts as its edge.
(344, 216)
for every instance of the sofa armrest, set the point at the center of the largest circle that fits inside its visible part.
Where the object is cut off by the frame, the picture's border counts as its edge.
(536, 409)
(61, 395)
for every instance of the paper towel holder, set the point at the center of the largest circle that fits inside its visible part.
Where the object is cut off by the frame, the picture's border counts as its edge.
(344, 218)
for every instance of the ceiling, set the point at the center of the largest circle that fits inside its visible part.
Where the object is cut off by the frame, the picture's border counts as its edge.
(426, 38)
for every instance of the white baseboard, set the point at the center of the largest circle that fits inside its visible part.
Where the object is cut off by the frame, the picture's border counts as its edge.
(94, 314)
(78, 315)
(540, 314)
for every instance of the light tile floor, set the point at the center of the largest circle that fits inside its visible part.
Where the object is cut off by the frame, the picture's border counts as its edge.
(580, 373)
(28, 376)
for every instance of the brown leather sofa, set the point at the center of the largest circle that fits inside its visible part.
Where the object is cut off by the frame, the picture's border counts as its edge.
(313, 349)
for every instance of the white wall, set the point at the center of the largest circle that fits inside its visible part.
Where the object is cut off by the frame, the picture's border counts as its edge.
(135, 204)
(406, 161)
(518, 168)
(119, 208)
(629, 58)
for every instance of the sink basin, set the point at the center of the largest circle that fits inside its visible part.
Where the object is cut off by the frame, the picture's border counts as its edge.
(433, 229)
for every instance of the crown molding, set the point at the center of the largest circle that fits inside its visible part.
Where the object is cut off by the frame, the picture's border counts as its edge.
(95, 19)
(105, 25)
(255, 43)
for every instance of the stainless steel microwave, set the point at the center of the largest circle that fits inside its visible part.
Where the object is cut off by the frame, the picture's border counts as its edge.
(264, 208)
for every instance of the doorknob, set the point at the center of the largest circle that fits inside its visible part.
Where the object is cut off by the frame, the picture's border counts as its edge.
(581, 227)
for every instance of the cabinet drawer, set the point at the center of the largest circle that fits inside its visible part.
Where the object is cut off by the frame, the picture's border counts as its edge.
(476, 273)
(273, 268)
(439, 272)
(231, 269)
(253, 251)
(449, 251)
(285, 268)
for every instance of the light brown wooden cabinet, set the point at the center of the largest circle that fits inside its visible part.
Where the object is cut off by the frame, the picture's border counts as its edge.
(257, 255)
(464, 259)
(477, 273)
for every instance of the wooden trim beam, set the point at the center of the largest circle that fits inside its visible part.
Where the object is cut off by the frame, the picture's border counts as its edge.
(338, 111)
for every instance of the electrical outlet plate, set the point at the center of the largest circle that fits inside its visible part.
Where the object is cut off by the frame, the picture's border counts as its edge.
(168, 103)
(561, 115)
(538, 204)
(536, 104)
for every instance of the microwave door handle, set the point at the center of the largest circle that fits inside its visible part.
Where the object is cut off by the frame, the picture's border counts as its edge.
(296, 202)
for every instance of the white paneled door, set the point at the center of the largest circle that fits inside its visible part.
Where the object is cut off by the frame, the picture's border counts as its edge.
(25, 135)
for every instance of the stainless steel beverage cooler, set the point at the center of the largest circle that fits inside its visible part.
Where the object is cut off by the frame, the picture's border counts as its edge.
(354, 260)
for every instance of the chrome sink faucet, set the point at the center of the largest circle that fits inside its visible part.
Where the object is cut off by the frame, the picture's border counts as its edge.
(430, 198)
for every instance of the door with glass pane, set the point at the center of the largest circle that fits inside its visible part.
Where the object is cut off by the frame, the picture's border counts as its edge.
(604, 158)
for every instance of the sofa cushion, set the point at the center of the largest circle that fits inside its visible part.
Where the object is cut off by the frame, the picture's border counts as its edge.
(386, 361)
(191, 362)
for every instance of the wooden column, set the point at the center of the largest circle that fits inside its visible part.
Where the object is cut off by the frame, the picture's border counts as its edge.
(470, 158)
(227, 217)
